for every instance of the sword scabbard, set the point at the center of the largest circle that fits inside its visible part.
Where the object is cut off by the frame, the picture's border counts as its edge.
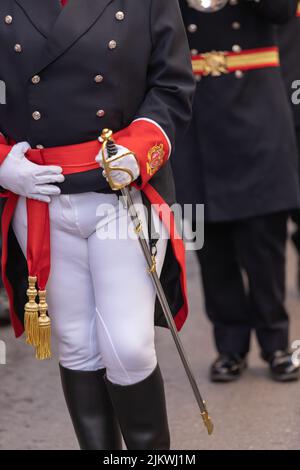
(106, 138)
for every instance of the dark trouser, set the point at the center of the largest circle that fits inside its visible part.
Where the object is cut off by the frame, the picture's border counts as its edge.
(243, 271)
(296, 213)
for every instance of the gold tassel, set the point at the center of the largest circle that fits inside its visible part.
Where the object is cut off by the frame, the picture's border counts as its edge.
(31, 314)
(43, 350)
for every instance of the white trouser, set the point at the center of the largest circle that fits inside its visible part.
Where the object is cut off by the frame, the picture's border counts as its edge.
(101, 298)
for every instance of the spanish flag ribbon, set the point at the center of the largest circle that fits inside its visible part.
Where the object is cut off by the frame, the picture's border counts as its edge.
(37, 321)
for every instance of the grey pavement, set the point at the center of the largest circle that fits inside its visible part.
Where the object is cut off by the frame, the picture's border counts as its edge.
(254, 413)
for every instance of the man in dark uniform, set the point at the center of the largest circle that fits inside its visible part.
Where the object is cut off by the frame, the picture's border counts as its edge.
(70, 72)
(241, 152)
(289, 40)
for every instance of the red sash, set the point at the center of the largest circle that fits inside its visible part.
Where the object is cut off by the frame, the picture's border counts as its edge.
(149, 143)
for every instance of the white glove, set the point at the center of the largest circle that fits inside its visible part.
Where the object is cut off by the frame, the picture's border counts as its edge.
(22, 177)
(129, 162)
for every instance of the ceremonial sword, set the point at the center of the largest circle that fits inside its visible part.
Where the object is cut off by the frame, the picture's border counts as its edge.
(110, 147)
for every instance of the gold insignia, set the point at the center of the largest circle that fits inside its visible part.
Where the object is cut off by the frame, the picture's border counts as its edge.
(155, 159)
(215, 63)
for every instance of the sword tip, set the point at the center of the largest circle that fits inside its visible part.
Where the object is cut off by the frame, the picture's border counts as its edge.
(208, 422)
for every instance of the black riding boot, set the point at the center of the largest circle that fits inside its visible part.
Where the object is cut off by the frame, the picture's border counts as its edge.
(91, 409)
(142, 414)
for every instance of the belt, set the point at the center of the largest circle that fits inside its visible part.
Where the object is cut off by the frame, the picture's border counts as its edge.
(72, 159)
(217, 63)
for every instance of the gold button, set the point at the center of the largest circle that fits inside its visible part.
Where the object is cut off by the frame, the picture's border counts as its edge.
(36, 115)
(112, 44)
(120, 15)
(18, 48)
(8, 19)
(98, 78)
(36, 79)
(194, 51)
(40, 147)
(101, 113)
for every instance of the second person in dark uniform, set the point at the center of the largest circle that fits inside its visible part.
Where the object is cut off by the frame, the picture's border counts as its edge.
(70, 72)
(289, 40)
(242, 157)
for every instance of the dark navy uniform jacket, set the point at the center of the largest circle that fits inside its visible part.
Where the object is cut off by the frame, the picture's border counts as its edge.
(95, 64)
(289, 40)
(71, 72)
(240, 151)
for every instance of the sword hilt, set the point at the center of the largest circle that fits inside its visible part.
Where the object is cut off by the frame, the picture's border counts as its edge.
(109, 145)
(111, 148)
(106, 138)
(106, 135)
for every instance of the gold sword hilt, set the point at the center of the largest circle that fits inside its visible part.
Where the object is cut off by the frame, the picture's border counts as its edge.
(106, 135)
(107, 141)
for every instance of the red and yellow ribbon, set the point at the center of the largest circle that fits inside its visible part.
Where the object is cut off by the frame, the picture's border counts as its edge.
(218, 63)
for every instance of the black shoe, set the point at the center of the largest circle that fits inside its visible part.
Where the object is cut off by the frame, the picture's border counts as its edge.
(282, 366)
(228, 368)
(91, 410)
(142, 414)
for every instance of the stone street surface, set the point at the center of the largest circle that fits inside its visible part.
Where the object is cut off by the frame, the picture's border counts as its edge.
(254, 413)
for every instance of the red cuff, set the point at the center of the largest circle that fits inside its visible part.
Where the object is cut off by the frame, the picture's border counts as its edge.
(150, 145)
(4, 148)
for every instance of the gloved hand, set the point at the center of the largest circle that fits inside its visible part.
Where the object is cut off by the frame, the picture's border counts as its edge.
(128, 162)
(22, 177)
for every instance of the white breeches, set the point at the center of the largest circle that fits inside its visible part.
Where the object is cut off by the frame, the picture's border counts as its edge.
(101, 298)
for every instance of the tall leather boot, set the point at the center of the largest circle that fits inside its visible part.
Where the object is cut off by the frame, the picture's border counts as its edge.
(142, 414)
(91, 410)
